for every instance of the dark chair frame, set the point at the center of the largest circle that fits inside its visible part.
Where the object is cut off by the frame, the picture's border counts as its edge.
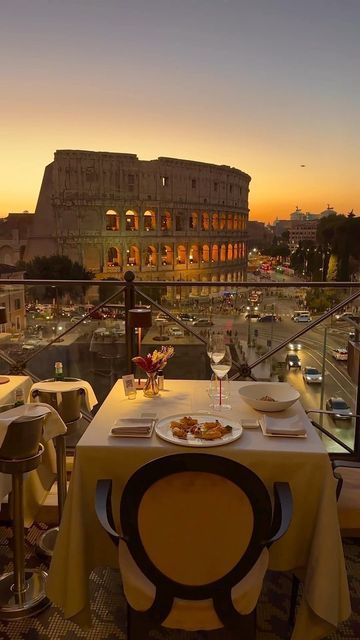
(270, 524)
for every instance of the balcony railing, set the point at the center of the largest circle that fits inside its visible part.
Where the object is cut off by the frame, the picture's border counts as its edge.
(66, 320)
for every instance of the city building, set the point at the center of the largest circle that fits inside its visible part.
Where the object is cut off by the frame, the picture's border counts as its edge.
(14, 232)
(259, 235)
(302, 230)
(165, 219)
(13, 300)
(280, 226)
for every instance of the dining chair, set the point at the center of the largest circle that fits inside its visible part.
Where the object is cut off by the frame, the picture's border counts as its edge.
(347, 473)
(22, 591)
(194, 543)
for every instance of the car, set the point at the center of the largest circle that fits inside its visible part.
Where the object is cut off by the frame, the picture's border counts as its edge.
(203, 322)
(187, 317)
(294, 346)
(268, 317)
(293, 361)
(162, 317)
(176, 332)
(252, 314)
(340, 408)
(312, 375)
(340, 354)
(347, 315)
(303, 317)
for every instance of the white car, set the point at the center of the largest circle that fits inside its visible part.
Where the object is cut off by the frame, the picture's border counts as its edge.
(303, 317)
(340, 354)
(176, 332)
(294, 346)
(312, 375)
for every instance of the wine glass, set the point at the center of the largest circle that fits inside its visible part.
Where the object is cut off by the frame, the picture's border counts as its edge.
(214, 392)
(218, 348)
(221, 364)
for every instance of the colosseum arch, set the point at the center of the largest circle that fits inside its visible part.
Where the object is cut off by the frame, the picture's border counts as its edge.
(205, 221)
(230, 222)
(150, 256)
(205, 253)
(215, 253)
(113, 257)
(235, 254)
(131, 220)
(181, 254)
(149, 220)
(230, 254)
(223, 253)
(91, 259)
(133, 256)
(215, 221)
(236, 222)
(222, 221)
(194, 254)
(165, 221)
(112, 220)
(167, 255)
(229, 277)
(193, 220)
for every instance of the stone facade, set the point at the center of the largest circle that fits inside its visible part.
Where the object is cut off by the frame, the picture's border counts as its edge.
(164, 219)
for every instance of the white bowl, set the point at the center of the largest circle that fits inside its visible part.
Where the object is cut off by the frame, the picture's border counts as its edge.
(283, 393)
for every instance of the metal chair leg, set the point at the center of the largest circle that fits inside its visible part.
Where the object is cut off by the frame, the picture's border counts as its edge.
(22, 592)
(47, 540)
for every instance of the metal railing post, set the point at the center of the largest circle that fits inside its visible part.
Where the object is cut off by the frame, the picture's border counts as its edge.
(129, 277)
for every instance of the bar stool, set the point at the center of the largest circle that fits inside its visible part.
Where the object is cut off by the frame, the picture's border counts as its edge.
(68, 405)
(22, 592)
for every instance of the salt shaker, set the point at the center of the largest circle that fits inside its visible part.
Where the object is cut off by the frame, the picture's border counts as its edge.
(160, 379)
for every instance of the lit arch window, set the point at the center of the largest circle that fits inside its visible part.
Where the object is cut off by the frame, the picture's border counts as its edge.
(131, 220)
(149, 220)
(133, 256)
(113, 257)
(112, 220)
(151, 257)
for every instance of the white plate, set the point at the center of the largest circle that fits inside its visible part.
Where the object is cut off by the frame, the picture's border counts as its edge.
(163, 430)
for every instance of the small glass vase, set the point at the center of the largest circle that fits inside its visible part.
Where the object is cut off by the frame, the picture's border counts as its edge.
(151, 387)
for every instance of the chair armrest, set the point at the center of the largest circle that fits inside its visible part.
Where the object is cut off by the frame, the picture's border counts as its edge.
(283, 509)
(342, 464)
(103, 508)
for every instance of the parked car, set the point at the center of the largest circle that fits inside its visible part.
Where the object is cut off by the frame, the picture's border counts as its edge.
(252, 314)
(312, 375)
(340, 408)
(294, 346)
(268, 317)
(203, 322)
(176, 332)
(163, 317)
(293, 361)
(340, 354)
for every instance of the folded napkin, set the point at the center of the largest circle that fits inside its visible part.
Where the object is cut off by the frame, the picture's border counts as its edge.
(283, 426)
(53, 426)
(133, 427)
(58, 386)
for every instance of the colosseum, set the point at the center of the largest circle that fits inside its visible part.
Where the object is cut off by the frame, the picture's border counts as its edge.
(165, 219)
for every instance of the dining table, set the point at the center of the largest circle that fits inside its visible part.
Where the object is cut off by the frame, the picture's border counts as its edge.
(311, 548)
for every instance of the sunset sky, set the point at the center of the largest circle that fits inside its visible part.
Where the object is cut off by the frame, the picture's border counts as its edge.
(261, 85)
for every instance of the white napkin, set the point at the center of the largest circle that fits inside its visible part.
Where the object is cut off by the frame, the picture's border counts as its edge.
(283, 425)
(133, 427)
(57, 386)
(53, 424)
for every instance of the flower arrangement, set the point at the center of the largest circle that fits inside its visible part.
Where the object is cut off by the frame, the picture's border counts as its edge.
(154, 361)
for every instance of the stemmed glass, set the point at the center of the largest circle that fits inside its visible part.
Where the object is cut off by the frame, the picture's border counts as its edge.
(221, 364)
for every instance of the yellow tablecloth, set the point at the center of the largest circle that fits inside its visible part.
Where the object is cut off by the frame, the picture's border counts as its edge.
(312, 546)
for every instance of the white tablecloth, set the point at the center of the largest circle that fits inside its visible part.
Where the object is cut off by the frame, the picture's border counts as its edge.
(59, 386)
(7, 396)
(312, 546)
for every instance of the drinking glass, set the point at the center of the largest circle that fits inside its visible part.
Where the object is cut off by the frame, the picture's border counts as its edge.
(221, 364)
(214, 392)
(218, 348)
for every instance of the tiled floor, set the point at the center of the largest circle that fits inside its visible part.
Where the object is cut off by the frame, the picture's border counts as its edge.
(108, 606)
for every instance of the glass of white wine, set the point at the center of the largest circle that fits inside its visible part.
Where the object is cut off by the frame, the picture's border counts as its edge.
(221, 364)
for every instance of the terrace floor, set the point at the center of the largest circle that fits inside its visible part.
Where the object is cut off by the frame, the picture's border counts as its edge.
(108, 604)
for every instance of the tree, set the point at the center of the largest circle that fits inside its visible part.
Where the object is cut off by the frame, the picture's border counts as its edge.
(340, 234)
(55, 267)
